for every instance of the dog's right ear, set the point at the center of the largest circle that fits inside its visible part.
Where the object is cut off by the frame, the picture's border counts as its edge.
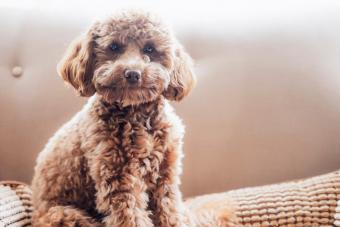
(182, 78)
(76, 67)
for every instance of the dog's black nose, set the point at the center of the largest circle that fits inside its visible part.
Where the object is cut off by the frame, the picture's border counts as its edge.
(132, 76)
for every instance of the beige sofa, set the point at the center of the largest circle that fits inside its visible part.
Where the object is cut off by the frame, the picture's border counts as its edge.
(266, 107)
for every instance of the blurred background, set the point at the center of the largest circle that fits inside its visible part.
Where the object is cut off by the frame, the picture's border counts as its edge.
(266, 107)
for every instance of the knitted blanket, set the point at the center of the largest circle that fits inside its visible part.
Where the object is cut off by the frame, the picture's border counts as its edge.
(15, 204)
(304, 203)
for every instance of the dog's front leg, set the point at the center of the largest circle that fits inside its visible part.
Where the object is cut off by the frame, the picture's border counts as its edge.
(124, 206)
(169, 210)
(168, 207)
(121, 195)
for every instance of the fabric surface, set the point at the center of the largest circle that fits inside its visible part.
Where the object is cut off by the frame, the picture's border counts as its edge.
(304, 203)
(15, 204)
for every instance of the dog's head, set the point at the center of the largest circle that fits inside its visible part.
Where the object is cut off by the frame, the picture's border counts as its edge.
(130, 58)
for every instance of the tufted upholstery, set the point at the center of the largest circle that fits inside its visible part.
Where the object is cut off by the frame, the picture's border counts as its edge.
(266, 107)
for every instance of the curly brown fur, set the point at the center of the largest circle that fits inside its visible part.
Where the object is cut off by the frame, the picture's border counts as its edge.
(117, 162)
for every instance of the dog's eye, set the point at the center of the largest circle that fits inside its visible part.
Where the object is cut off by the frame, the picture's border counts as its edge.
(115, 47)
(148, 49)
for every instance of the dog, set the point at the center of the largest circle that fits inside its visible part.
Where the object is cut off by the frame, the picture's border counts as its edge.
(118, 161)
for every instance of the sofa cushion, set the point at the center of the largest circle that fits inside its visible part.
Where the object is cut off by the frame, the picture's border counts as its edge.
(15, 204)
(310, 202)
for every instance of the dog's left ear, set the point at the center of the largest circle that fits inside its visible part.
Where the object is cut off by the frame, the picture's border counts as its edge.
(182, 77)
(76, 67)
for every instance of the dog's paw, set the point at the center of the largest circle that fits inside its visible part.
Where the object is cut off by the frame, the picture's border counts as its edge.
(212, 211)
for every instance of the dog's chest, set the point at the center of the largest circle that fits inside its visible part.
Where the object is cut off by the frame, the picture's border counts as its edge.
(139, 142)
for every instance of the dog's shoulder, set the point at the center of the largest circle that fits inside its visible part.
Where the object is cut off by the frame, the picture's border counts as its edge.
(66, 131)
(177, 126)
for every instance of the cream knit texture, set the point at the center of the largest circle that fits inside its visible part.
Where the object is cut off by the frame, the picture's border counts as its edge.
(15, 204)
(312, 202)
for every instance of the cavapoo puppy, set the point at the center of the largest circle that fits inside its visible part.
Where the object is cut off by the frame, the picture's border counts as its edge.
(118, 161)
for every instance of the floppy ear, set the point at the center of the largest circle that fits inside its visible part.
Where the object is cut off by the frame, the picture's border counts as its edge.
(182, 78)
(76, 67)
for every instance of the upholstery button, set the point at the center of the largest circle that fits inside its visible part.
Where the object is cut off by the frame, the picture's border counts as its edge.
(17, 71)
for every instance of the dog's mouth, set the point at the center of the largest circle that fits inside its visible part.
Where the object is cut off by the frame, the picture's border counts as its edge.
(129, 93)
(117, 88)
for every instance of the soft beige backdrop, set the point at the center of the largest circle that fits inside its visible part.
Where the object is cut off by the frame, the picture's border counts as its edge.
(266, 107)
